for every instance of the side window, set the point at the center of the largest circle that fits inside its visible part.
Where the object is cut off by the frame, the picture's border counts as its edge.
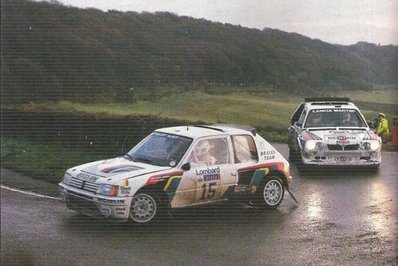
(295, 117)
(210, 151)
(244, 148)
(302, 117)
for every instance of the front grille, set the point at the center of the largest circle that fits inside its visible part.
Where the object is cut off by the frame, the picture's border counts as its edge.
(85, 185)
(352, 147)
(338, 147)
(335, 147)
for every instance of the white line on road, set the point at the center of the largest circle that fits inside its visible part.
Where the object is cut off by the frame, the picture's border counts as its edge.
(29, 193)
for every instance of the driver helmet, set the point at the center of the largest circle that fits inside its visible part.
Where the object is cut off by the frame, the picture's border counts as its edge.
(202, 149)
(346, 116)
(316, 118)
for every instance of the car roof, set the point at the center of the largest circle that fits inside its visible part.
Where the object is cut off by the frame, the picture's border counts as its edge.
(329, 102)
(198, 131)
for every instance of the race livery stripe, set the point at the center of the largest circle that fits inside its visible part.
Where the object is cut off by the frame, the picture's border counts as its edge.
(278, 166)
(122, 167)
(171, 186)
(156, 178)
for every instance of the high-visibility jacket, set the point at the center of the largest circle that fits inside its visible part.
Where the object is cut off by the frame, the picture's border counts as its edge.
(382, 129)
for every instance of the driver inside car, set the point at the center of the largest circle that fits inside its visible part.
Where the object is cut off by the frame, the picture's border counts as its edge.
(201, 155)
(347, 120)
(315, 120)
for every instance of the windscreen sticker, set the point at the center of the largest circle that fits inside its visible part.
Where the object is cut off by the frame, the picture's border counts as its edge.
(333, 111)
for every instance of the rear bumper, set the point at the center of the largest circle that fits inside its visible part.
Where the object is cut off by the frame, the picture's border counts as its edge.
(95, 205)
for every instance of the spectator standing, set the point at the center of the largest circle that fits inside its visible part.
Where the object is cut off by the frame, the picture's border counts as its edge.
(382, 129)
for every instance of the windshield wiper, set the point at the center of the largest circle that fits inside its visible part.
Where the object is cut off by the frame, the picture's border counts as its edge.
(143, 160)
(129, 156)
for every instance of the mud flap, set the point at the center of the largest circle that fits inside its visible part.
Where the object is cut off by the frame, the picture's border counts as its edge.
(291, 195)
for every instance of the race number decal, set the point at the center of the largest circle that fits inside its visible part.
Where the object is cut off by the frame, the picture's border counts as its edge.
(208, 191)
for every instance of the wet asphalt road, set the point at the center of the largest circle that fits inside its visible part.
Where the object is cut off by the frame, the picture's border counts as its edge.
(343, 218)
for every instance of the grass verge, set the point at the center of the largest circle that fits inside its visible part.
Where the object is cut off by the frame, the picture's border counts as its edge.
(40, 160)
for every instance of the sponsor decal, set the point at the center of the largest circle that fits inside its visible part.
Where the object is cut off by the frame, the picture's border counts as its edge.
(341, 138)
(208, 174)
(333, 111)
(268, 155)
(125, 190)
(120, 211)
(86, 177)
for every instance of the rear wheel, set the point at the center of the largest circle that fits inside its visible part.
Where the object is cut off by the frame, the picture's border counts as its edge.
(270, 194)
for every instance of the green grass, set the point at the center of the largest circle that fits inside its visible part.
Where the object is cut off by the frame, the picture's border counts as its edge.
(238, 108)
(40, 160)
(259, 109)
(270, 112)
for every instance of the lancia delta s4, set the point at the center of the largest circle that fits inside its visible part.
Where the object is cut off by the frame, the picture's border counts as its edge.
(332, 132)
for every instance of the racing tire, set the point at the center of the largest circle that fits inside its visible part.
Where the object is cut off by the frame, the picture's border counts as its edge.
(270, 193)
(147, 207)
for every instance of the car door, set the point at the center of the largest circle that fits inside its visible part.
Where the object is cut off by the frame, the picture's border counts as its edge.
(295, 130)
(210, 167)
(245, 156)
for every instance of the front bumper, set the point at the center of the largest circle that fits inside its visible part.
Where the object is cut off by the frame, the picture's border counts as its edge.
(356, 159)
(95, 205)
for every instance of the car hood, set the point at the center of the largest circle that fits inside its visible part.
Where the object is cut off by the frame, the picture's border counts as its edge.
(333, 136)
(118, 168)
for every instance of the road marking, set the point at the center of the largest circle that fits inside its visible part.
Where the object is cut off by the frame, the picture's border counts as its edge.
(29, 193)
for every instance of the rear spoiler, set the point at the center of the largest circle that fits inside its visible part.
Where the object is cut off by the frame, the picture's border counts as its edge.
(327, 99)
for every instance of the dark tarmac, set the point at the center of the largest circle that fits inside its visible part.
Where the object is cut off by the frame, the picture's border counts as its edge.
(343, 218)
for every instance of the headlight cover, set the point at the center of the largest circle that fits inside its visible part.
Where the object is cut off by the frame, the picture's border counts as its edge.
(67, 179)
(372, 145)
(310, 145)
(108, 190)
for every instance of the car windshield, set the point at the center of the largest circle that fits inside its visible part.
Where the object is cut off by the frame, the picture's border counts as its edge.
(334, 118)
(160, 149)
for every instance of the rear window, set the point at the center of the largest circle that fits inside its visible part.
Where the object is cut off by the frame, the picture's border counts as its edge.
(245, 149)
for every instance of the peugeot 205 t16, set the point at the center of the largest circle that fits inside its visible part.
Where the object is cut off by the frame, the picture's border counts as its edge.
(180, 167)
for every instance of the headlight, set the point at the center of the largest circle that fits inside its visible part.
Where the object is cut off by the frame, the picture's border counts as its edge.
(108, 190)
(67, 179)
(372, 145)
(320, 146)
(366, 146)
(310, 145)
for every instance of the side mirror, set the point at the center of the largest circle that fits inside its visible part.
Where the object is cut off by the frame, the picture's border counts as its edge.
(186, 166)
(299, 124)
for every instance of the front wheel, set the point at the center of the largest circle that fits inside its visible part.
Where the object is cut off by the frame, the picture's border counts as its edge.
(271, 193)
(145, 207)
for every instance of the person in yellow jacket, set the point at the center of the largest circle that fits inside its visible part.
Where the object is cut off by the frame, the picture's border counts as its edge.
(382, 130)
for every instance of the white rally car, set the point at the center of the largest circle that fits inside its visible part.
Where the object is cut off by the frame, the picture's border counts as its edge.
(180, 167)
(332, 132)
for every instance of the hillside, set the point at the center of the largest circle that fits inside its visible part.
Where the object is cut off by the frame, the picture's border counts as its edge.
(50, 52)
